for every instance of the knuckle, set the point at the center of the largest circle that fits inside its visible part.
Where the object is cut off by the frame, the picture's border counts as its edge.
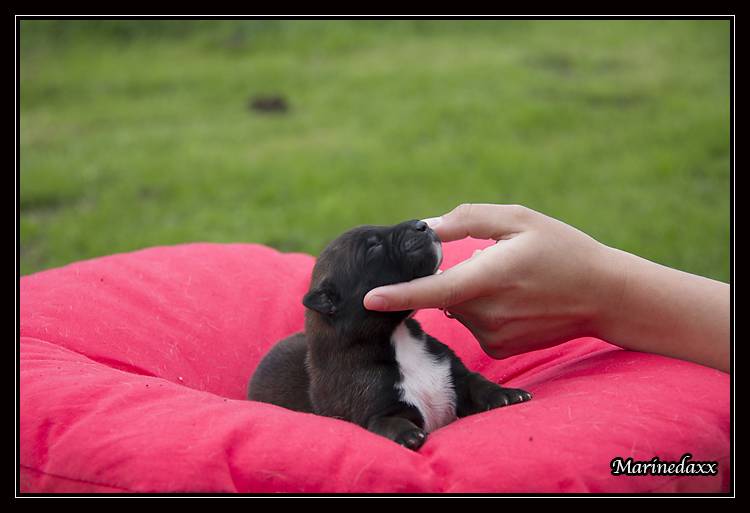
(450, 297)
(521, 213)
(463, 211)
(402, 302)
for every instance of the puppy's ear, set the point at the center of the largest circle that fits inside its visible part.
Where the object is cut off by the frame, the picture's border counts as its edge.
(322, 299)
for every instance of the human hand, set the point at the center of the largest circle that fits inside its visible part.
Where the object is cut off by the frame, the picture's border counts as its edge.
(543, 282)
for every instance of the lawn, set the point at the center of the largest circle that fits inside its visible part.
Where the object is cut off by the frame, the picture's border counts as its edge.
(139, 133)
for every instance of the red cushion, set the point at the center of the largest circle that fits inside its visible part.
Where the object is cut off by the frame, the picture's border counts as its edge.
(134, 370)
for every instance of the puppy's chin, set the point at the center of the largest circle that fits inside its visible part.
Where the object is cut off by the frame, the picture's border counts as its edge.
(427, 264)
(432, 253)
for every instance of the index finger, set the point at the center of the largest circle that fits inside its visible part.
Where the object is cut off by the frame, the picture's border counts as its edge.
(482, 221)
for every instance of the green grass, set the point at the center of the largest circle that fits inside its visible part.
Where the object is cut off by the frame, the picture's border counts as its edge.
(136, 134)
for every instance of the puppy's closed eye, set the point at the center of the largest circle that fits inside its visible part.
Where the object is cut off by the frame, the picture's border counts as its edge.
(373, 244)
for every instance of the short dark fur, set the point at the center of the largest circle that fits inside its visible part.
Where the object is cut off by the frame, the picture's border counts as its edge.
(344, 364)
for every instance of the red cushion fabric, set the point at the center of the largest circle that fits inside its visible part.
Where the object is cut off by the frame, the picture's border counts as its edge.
(133, 373)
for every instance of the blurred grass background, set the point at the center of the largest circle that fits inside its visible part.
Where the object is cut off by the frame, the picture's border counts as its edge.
(138, 133)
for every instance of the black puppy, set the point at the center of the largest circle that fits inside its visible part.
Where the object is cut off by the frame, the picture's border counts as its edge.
(376, 369)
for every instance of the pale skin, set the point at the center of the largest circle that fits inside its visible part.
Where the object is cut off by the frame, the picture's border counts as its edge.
(545, 282)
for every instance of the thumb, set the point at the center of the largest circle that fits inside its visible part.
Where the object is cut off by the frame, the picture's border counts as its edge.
(456, 285)
(481, 221)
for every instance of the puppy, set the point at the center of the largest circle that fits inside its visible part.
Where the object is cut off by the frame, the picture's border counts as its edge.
(375, 369)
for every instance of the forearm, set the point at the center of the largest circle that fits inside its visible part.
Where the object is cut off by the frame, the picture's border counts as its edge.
(661, 310)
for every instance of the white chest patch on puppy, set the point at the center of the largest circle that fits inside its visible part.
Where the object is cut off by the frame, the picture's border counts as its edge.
(426, 381)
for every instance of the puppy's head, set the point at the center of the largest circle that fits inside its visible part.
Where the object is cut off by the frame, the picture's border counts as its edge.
(367, 257)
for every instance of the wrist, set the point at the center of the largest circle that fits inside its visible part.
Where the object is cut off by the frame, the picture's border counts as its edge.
(612, 272)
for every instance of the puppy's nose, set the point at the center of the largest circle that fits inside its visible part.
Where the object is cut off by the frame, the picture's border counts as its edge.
(420, 226)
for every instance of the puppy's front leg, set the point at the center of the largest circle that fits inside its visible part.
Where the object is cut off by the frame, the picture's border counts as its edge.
(399, 429)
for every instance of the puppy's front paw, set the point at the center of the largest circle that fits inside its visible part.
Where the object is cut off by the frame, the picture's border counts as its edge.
(507, 396)
(497, 397)
(411, 439)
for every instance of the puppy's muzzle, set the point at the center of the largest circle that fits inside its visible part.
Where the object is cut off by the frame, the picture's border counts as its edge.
(422, 239)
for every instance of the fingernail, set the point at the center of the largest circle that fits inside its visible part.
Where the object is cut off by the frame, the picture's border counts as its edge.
(376, 303)
(432, 222)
